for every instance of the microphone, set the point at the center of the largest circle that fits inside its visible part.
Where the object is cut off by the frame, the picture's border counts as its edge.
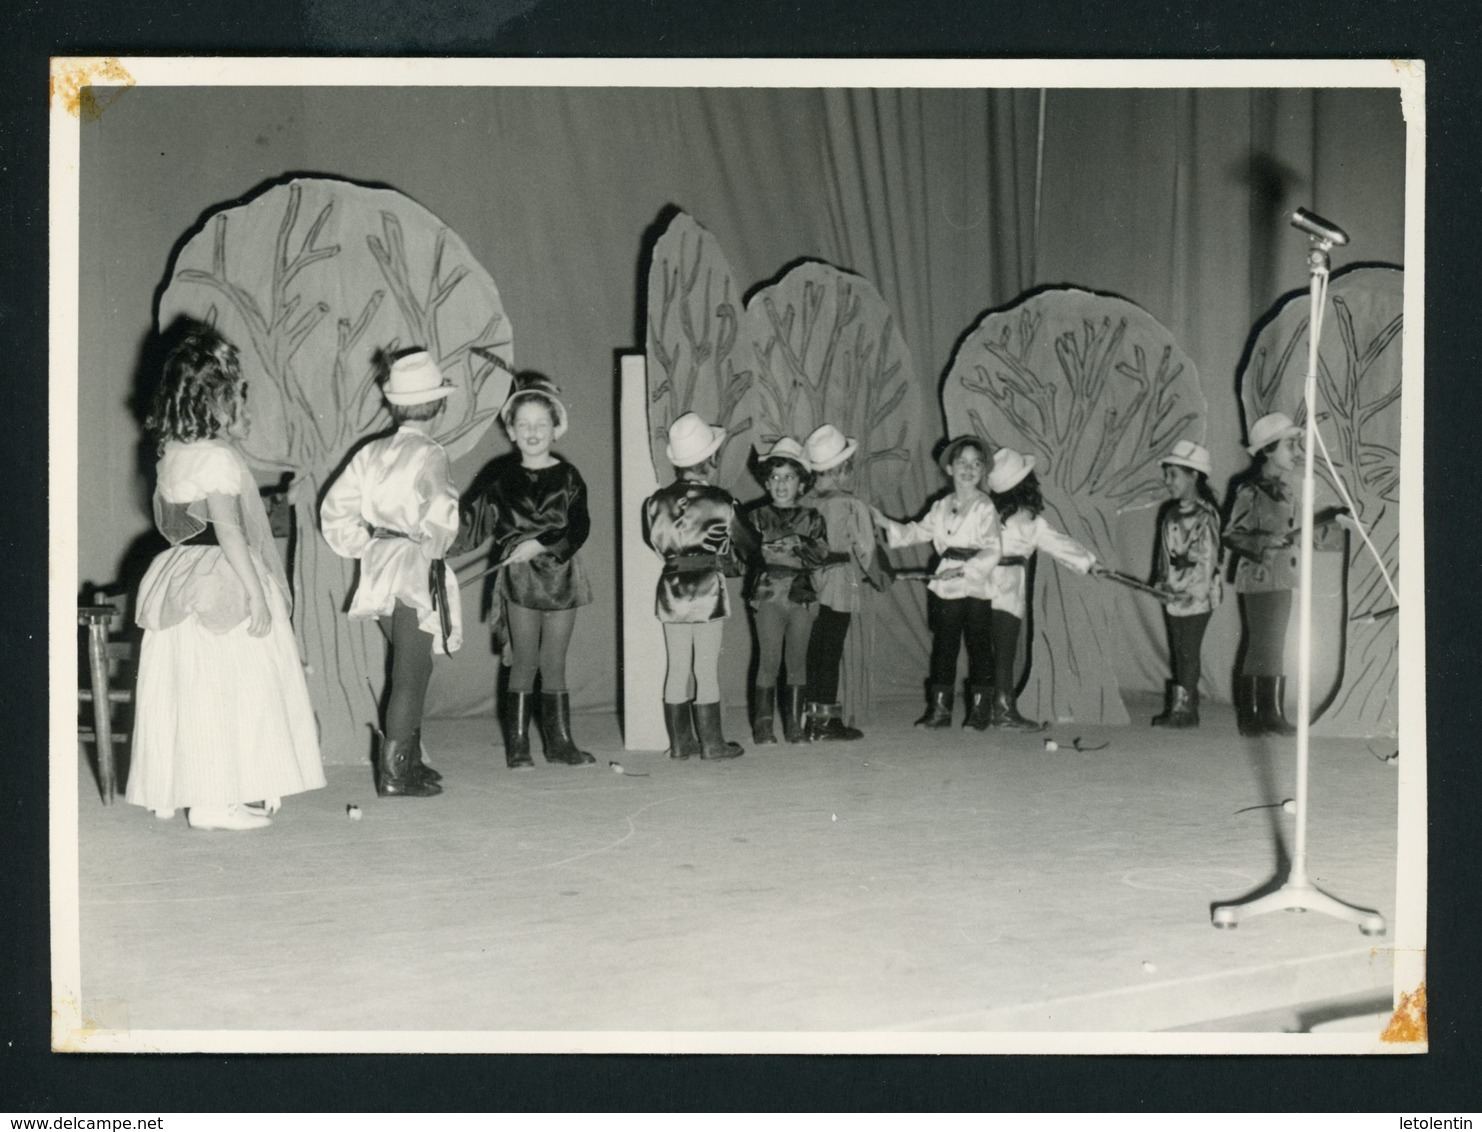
(1315, 225)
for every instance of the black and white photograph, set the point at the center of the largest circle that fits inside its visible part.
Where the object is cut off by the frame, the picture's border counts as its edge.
(701, 555)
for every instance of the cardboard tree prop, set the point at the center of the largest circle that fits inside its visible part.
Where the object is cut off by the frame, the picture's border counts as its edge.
(317, 281)
(828, 351)
(1097, 391)
(697, 360)
(1358, 388)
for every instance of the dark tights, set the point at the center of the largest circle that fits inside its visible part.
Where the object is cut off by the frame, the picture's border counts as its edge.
(411, 669)
(1185, 637)
(951, 618)
(1266, 617)
(539, 638)
(825, 651)
(1005, 649)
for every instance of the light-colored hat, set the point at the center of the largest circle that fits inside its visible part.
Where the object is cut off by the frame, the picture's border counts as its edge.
(1009, 469)
(415, 379)
(1187, 454)
(534, 385)
(827, 447)
(1270, 428)
(786, 448)
(957, 444)
(692, 441)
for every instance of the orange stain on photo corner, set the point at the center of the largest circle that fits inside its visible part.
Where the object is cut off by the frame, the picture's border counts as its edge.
(77, 81)
(1408, 1021)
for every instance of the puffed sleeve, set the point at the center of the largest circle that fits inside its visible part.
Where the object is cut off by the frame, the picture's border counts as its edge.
(1062, 548)
(862, 535)
(194, 471)
(339, 514)
(812, 539)
(924, 529)
(746, 544)
(440, 504)
(563, 544)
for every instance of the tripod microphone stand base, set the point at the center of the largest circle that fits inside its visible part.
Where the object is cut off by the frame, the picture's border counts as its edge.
(1298, 896)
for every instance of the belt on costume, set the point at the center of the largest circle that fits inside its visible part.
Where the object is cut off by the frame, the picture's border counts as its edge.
(387, 532)
(783, 568)
(961, 553)
(683, 562)
(1014, 560)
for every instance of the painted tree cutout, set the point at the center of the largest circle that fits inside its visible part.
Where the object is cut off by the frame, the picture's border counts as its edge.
(1358, 392)
(696, 362)
(1097, 391)
(828, 351)
(299, 278)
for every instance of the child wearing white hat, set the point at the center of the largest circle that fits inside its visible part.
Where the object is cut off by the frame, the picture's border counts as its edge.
(395, 508)
(794, 542)
(700, 533)
(533, 505)
(851, 542)
(1263, 532)
(1016, 493)
(1187, 563)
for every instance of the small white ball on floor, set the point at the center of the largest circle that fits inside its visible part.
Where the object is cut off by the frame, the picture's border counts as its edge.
(617, 768)
(1149, 966)
(352, 811)
(1051, 745)
(1289, 806)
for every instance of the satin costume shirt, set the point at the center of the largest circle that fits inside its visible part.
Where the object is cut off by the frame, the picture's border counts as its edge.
(548, 505)
(974, 528)
(696, 521)
(852, 531)
(795, 540)
(1021, 535)
(1262, 518)
(1188, 561)
(399, 483)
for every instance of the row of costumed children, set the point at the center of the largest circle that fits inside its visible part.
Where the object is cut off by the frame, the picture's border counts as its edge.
(224, 727)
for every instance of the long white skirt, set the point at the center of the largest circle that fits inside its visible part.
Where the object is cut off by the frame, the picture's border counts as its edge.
(222, 717)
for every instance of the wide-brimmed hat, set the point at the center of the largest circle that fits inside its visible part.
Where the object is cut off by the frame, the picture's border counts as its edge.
(957, 444)
(1009, 470)
(534, 385)
(787, 449)
(415, 379)
(692, 441)
(1270, 428)
(827, 447)
(1187, 454)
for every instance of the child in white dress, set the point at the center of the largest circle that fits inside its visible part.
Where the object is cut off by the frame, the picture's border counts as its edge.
(222, 716)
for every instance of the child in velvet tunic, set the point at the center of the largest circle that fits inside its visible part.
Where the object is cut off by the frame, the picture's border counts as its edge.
(784, 599)
(535, 509)
(699, 532)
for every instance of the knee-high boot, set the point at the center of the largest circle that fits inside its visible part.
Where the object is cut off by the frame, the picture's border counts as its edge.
(792, 713)
(979, 707)
(713, 743)
(762, 712)
(938, 707)
(515, 720)
(679, 721)
(394, 778)
(555, 722)
(1247, 716)
(1270, 706)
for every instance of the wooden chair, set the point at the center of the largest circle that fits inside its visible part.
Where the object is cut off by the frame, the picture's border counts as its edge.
(108, 681)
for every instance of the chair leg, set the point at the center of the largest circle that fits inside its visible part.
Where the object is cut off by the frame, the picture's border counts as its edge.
(97, 654)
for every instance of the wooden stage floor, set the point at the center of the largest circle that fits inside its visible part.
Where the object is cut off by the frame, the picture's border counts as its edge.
(913, 883)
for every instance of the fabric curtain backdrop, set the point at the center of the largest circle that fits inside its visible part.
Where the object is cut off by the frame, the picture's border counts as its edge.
(1172, 199)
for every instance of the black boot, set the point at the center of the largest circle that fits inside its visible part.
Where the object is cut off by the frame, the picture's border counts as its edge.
(1247, 718)
(1181, 712)
(420, 769)
(555, 724)
(1006, 715)
(713, 743)
(938, 707)
(979, 706)
(394, 777)
(761, 717)
(792, 713)
(1162, 720)
(1193, 714)
(1270, 706)
(826, 725)
(680, 723)
(516, 723)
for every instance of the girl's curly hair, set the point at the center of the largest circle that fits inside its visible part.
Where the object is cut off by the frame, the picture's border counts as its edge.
(200, 391)
(1023, 496)
(762, 469)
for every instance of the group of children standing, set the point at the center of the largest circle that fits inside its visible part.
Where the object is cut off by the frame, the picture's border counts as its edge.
(224, 727)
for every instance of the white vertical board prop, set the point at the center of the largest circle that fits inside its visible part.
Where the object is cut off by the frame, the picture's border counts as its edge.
(643, 637)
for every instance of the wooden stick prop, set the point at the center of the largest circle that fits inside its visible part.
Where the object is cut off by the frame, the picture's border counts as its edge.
(1136, 584)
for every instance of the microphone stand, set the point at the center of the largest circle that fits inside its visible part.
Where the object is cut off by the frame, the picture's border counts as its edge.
(1297, 893)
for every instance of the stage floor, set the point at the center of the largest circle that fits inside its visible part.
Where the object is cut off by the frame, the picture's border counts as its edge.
(942, 882)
